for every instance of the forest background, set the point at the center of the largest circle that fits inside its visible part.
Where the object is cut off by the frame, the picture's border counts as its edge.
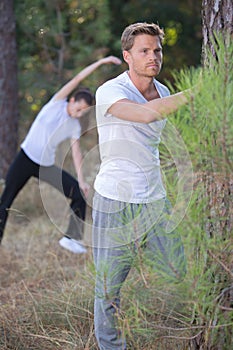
(55, 39)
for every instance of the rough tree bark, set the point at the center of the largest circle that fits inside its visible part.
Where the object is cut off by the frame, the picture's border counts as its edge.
(217, 16)
(8, 86)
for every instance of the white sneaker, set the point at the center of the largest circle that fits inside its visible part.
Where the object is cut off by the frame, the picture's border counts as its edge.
(72, 245)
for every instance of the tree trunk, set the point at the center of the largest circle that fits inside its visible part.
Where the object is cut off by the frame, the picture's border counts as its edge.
(217, 17)
(8, 86)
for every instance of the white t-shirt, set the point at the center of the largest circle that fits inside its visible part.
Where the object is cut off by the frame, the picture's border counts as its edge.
(130, 165)
(52, 126)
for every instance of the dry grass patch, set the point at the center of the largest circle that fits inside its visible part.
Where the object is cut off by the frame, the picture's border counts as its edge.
(46, 293)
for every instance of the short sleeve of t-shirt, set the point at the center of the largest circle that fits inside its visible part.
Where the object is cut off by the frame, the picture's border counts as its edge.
(108, 94)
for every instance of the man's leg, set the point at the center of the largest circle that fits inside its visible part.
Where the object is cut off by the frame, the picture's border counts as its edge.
(113, 261)
(164, 250)
(112, 270)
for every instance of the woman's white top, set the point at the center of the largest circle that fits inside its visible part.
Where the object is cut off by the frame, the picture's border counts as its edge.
(51, 126)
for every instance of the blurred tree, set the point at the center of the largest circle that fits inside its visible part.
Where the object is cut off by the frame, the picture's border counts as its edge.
(8, 86)
(181, 20)
(57, 39)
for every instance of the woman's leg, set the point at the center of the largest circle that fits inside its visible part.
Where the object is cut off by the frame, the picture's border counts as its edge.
(18, 174)
(67, 185)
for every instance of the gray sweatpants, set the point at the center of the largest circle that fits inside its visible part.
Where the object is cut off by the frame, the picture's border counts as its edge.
(119, 230)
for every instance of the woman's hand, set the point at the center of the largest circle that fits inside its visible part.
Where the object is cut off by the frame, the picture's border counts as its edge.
(111, 59)
(85, 188)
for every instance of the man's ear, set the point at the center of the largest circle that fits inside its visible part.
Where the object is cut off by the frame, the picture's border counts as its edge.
(126, 56)
(72, 99)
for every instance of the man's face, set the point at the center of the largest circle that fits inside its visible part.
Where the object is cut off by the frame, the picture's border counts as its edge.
(145, 57)
(76, 109)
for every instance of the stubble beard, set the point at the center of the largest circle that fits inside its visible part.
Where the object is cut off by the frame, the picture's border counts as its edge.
(147, 73)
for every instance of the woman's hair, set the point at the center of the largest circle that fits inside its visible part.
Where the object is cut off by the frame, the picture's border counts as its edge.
(84, 94)
(130, 32)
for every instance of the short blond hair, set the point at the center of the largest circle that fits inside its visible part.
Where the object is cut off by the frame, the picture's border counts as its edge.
(130, 32)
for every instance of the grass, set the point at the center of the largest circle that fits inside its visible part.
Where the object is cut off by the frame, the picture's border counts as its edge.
(47, 293)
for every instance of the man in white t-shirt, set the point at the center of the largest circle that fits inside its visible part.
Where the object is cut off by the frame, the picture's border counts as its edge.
(56, 122)
(130, 208)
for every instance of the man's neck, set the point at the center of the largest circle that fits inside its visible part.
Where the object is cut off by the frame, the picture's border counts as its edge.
(145, 85)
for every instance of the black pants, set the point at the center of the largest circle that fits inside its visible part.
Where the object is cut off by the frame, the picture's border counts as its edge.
(22, 169)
